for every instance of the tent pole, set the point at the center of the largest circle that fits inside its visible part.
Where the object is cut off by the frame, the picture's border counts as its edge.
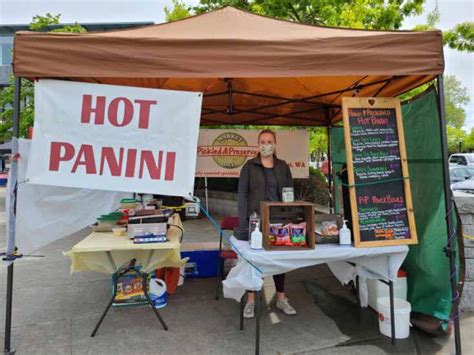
(331, 202)
(329, 157)
(10, 253)
(450, 248)
(206, 193)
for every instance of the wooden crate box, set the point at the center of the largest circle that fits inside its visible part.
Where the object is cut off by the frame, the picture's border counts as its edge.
(287, 212)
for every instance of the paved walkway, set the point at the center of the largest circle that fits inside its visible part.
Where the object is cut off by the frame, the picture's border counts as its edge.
(54, 313)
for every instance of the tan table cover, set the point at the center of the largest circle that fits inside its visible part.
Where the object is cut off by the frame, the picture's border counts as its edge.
(104, 252)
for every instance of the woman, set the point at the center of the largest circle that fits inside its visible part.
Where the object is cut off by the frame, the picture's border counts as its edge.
(262, 179)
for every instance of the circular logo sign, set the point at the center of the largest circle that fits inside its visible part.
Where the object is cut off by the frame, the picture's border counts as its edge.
(229, 157)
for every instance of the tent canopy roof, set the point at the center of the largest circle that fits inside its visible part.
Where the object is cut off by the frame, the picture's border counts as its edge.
(242, 61)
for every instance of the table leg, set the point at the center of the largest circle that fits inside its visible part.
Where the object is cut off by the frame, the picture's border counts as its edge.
(116, 276)
(145, 291)
(258, 306)
(357, 291)
(242, 305)
(392, 311)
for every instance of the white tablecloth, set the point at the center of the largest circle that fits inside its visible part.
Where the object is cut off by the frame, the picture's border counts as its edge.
(252, 265)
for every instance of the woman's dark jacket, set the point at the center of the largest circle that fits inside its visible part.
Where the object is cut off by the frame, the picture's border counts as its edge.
(252, 186)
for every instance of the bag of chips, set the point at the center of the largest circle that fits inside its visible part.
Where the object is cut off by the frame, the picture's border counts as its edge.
(283, 237)
(274, 228)
(298, 234)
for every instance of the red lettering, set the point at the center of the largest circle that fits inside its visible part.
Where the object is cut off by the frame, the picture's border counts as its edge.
(127, 111)
(60, 151)
(170, 162)
(87, 109)
(85, 157)
(114, 164)
(131, 159)
(154, 169)
(144, 117)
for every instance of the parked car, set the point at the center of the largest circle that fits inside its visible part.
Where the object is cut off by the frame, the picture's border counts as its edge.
(460, 173)
(466, 186)
(465, 159)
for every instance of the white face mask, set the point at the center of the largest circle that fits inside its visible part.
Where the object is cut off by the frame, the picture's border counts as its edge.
(267, 149)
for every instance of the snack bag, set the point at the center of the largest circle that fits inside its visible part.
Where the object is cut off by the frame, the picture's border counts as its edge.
(274, 228)
(298, 234)
(283, 237)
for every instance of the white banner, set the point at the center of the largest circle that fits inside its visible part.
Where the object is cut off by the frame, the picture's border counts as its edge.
(47, 213)
(116, 138)
(223, 152)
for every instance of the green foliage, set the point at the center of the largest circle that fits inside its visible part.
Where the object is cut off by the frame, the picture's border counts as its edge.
(468, 141)
(27, 111)
(371, 14)
(39, 23)
(179, 11)
(461, 37)
(314, 189)
(318, 142)
(455, 135)
(456, 97)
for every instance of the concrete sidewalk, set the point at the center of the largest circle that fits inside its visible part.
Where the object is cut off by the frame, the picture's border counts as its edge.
(55, 312)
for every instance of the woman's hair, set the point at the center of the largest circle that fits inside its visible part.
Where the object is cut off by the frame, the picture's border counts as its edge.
(267, 131)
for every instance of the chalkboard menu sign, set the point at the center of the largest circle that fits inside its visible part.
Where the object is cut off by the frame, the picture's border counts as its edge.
(379, 185)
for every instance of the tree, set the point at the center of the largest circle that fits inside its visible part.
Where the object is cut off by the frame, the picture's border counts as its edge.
(468, 141)
(39, 23)
(179, 11)
(370, 14)
(456, 97)
(460, 38)
(455, 136)
(318, 142)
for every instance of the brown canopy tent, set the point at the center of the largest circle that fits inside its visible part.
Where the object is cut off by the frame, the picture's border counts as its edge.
(252, 69)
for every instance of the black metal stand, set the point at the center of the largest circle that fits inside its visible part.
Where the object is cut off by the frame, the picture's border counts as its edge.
(131, 267)
(11, 247)
(242, 305)
(449, 250)
(392, 309)
(258, 310)
(8, 313)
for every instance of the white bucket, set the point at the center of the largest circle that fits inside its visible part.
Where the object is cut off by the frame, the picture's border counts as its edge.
(157, 292)
(402, 310)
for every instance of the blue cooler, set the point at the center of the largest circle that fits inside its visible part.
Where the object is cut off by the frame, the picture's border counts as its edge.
(201, 263)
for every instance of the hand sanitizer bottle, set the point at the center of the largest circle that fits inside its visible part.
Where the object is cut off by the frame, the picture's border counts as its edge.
(345, 235)
(256, 238)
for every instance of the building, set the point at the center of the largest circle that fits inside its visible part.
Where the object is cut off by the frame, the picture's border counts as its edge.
(7, 33)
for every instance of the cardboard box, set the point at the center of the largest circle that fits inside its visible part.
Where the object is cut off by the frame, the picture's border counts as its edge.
(287, 212)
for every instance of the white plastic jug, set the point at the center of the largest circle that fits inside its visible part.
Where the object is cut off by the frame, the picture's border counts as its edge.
(402, 311)
(157, 292)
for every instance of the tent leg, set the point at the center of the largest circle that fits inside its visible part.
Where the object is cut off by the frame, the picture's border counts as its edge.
(11, 231)
(331, 197)
(206, 193)
(450, 250)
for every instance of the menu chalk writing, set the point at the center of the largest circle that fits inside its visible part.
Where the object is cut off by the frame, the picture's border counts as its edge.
(379, 186)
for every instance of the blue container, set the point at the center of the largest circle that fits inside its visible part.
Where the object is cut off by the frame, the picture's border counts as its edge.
(201, 263)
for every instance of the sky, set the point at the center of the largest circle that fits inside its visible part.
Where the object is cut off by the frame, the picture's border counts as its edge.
(89, 11)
